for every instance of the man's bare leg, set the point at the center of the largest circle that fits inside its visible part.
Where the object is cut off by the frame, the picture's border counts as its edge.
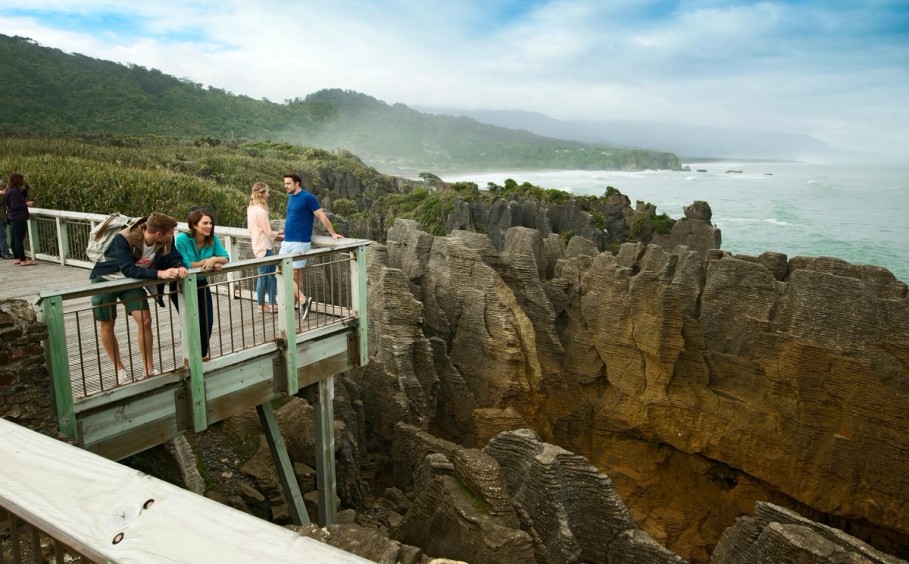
(144, 338)
(110, 344)
(299, 296)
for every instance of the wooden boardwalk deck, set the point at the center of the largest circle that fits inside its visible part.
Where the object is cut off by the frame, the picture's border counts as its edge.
(24, 282)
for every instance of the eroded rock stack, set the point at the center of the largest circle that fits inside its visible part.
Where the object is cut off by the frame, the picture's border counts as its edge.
(698, 381)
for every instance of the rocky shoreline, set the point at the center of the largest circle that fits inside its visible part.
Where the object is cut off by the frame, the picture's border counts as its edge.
(536, 399)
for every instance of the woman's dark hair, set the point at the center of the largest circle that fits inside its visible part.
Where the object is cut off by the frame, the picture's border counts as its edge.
(193, 218)
(16, 180)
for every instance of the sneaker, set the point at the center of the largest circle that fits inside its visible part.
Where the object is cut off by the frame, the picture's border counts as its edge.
(123, 377)
(305, 310)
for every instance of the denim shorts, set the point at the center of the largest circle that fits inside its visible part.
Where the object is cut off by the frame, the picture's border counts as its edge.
(295, 247)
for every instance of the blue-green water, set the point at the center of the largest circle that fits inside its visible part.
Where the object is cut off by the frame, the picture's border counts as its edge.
(859, 213)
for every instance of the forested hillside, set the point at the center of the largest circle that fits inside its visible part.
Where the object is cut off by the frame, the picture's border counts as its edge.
(48, 91)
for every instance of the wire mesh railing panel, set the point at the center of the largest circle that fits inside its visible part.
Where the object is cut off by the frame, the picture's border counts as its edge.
(326, 281)
(47, 240)
(23, 542)
(77, 236)
(109, 343)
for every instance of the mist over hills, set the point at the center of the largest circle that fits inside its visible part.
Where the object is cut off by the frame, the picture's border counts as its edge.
(62, 93)
(688, 141)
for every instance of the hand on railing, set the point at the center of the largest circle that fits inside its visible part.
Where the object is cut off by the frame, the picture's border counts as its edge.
(172, 274)
(210, 264)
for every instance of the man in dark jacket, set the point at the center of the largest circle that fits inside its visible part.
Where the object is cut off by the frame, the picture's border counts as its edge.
(143, 250)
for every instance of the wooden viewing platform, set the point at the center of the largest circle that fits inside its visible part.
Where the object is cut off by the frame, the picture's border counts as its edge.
(255, 357)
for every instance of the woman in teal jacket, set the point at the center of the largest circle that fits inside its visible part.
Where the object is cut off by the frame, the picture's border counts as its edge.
(201, 249)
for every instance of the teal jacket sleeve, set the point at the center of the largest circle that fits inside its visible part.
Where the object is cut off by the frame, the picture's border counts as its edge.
(219, 250)
(187, 249)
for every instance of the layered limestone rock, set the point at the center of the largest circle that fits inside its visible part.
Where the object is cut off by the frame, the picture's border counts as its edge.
(700, 382)
(775, 534)
(517, 500)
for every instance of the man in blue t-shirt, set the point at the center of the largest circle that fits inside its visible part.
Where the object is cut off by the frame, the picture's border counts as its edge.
(302, 209)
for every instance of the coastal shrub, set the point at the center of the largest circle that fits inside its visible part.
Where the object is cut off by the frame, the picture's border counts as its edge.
(467, 190)
(598, 219)
(343, 207)
(639, 225)
(661, 224)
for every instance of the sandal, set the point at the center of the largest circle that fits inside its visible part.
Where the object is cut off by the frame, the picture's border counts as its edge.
(29, 263)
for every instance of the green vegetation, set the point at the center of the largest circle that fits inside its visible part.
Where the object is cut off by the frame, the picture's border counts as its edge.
(135, 175)
(59, 93)
(661, 224)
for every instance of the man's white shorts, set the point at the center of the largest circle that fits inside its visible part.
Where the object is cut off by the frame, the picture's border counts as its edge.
(295, 247)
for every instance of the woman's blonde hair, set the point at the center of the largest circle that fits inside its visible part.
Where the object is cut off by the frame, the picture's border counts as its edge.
(257, 197)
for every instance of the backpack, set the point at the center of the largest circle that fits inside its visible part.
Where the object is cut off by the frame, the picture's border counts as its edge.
(102, 235)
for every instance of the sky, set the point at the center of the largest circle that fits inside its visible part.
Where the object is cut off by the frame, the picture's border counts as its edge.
(837, 70)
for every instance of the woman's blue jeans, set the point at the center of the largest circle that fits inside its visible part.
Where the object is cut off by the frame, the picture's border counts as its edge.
(267, 284)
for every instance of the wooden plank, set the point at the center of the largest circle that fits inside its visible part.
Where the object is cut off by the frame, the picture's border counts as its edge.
(116, 418)
(112, 513)
(238, 377)
(312, 373)
(239, 401)
(136, 439)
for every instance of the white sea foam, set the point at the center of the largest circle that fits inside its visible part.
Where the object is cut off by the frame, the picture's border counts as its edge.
(797, 209)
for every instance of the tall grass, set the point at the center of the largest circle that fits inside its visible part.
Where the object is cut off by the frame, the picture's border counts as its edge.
(137, 175)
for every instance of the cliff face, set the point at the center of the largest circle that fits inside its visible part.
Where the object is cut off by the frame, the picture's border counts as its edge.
(699, 382)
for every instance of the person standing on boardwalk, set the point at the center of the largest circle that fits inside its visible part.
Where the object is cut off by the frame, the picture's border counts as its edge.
(263, 242)
(201, 249)
(302, 209)
(143, 250)
(16, 201)
(4, 247)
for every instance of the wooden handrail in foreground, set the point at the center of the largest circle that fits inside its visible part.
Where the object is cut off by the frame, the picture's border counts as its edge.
(111, 513)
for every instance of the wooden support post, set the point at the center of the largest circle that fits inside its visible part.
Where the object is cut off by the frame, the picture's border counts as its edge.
(58, 363)
(287, 326)
(233, 255)
(62, 240)
(33, 239)
(285, 469)
(192, 351)
(358, 301)
(325, 452)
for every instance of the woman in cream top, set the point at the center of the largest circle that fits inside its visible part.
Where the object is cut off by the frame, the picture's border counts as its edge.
(262, 245)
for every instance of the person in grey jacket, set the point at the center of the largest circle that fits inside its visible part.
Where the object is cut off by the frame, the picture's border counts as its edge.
(143, 250)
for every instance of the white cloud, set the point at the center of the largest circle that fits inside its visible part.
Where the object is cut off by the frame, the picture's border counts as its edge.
(836, 71)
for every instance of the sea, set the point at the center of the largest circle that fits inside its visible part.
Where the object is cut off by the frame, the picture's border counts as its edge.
(855, 212)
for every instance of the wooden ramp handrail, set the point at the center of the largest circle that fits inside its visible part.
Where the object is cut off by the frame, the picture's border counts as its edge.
(111, 513)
